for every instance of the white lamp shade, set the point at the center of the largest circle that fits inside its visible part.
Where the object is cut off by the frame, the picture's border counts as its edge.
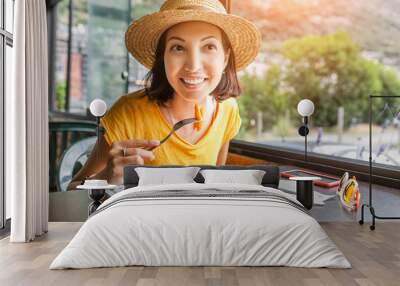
(98, 107)
(305, 107)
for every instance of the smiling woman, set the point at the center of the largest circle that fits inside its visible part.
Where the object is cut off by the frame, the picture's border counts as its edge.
(193, 50)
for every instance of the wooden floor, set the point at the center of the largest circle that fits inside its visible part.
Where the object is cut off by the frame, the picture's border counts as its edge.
(374, 255)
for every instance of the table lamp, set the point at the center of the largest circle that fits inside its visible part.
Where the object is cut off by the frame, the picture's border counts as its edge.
(96, 188)
(305, 108)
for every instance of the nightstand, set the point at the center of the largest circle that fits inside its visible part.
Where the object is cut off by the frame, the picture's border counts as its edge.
(97, 193)
(304, 190)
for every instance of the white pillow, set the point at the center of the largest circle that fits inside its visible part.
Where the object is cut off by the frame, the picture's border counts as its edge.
(163, 176)
(249, 177)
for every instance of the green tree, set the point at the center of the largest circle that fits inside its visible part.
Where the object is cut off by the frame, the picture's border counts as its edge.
(282, 126)
(60, 95)
(264, 95)
(390, 81)
(330, 71)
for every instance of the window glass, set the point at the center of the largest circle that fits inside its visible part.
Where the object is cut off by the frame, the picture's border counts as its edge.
(1, 14)
(79, 67)
(99, 57)
(61, 54)
(8, 87)
(9, 13)
(137, 72)
(331, 53)
(106, 52)
(2, 110)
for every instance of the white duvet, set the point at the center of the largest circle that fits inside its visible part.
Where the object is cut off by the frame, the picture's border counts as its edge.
(183, 231)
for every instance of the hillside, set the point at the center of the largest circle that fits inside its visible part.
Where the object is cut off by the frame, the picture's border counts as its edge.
(373, 24)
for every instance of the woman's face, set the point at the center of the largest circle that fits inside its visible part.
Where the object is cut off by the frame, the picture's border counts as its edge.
(194, 59)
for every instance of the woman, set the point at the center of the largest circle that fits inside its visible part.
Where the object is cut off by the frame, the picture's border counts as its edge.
(193, 49)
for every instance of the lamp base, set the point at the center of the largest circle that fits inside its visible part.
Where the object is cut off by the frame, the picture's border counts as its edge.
(96, 195)
(374, 216)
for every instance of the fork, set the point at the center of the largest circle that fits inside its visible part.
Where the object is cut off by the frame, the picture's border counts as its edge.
(175, 128)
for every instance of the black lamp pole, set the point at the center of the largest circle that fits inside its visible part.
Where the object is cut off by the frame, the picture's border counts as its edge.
(305, 137)
(303, 131)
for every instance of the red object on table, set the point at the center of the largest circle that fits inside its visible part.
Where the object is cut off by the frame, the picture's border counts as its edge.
(326, 181)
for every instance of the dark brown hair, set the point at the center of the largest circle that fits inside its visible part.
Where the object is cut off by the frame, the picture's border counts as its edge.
(158, 88)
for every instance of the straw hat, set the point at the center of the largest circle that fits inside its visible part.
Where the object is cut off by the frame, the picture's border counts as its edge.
(142, 36)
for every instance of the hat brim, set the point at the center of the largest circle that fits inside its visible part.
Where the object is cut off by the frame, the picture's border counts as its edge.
(142, 35)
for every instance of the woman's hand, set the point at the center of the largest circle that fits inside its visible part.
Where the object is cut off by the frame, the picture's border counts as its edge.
(127, 152)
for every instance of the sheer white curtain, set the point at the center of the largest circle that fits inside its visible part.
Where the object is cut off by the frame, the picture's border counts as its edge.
(27, 144)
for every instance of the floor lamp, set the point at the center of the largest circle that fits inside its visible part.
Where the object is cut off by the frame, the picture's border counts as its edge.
(369, 205)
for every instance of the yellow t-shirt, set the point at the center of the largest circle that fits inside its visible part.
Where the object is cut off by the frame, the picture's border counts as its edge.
(134, 116)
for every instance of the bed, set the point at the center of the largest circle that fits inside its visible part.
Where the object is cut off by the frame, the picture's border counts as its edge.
(201, 224)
